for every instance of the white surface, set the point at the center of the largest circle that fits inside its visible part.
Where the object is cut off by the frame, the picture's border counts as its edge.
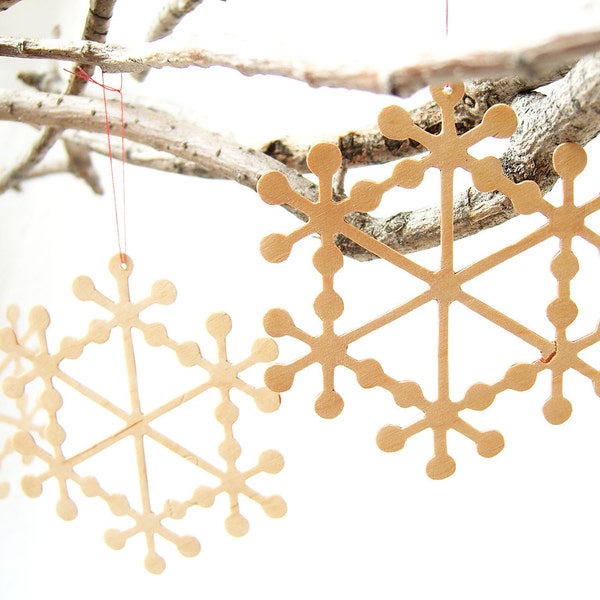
(360, 523)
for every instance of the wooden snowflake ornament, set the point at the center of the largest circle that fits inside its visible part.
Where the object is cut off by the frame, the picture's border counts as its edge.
(52, 368)
(447, 151)
(19, 412)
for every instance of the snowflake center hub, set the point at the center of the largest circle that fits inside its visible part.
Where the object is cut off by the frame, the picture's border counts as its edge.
(441, 414)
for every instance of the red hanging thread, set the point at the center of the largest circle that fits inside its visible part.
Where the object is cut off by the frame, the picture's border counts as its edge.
(447, 87)
(121, 239)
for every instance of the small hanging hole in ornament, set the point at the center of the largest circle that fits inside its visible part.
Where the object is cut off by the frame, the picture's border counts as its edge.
(447, 89)
(123, 266)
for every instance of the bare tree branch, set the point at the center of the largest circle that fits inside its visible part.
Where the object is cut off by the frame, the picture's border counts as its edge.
(6, 4)
(527, 61)
(139, 155)
(96, 29)
(168, 18)
(369, 147)
(573, 106)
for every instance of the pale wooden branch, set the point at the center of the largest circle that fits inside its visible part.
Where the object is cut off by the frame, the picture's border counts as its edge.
(6, 4)
(171, 14)
(139, 155)
(224, 158)
(573, 106)
(526, 60)
(95, 29)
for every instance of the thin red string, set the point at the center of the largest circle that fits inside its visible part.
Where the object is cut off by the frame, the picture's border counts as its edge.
(121, 238)
(447, 87)
(447, 19)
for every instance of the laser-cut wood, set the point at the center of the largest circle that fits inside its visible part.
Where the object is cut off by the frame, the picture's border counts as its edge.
(447, 152)
(20, 412)
(49, 368)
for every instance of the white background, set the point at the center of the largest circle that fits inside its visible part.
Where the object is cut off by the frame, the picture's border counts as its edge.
(360, 522)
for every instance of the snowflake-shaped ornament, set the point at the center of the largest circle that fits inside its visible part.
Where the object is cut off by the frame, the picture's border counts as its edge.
(52, 368)
(18, 413)
(447, 151)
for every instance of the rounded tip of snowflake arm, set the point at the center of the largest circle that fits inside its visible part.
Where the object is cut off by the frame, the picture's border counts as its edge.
(441, 467)
(500, 121)
(391, 438)
(83, 288)
(274, 188)
(266, 400)
(265, 350)
(23, 443)
(219, 325)
(329, 404)
(490, 443)
(188, 546)
(569, 160)
(557, 410)
(271, 461)
(324, 159)
(278, 322)
(66, 509)
(274, 507)
(275, 247)
(115, 539)
(237, 525)
(395, 123)
(13, 387)
(39, 318)
(31, 486)
(164, 292)
(279, 378)
(154, 563)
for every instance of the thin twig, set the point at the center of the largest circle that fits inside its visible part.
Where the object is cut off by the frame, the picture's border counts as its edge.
(170, 15)
(95, 29)
(6, 4)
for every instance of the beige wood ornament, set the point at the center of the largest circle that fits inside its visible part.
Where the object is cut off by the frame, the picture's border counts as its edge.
(20, 413)
(51, 369)
(447, 151)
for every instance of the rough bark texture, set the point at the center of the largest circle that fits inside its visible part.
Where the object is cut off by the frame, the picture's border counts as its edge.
(163, 140)
(528, 156)
(369, 147)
